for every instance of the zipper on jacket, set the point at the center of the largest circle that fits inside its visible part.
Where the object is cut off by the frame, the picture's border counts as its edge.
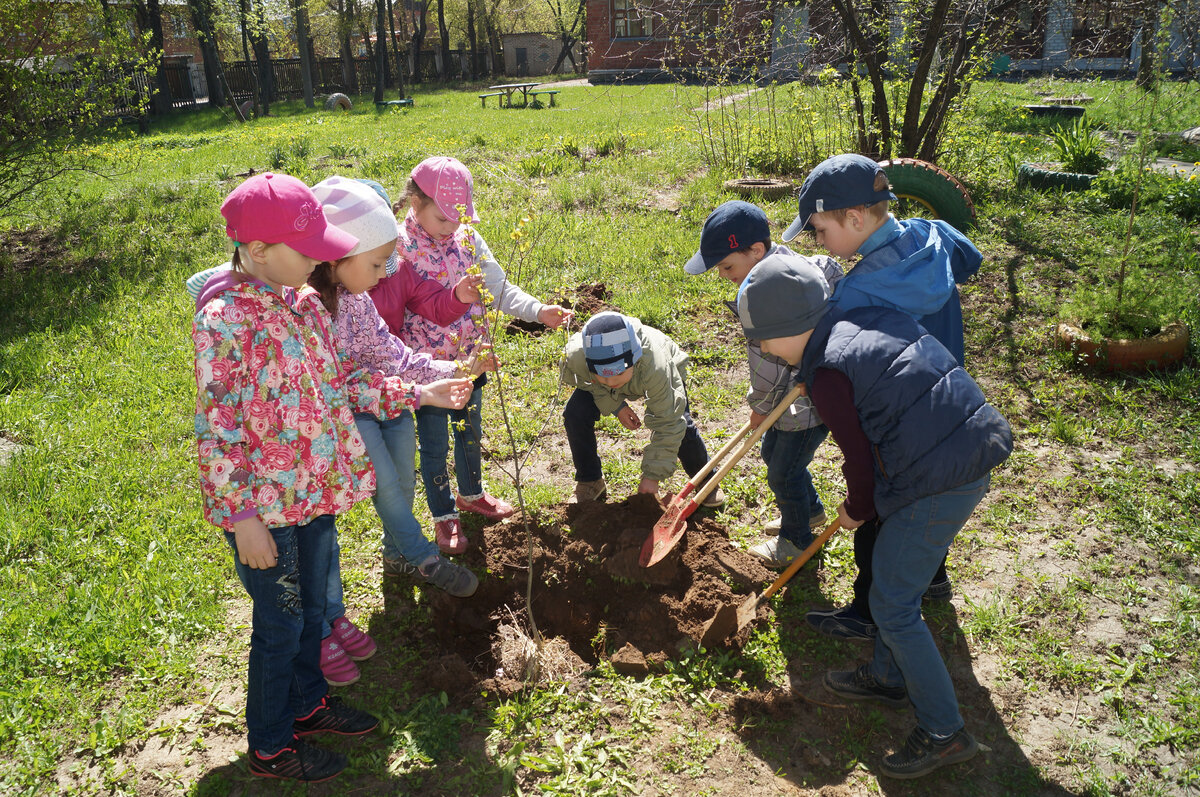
(879, 461)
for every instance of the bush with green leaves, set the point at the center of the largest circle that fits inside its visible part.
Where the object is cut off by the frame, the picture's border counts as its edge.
(1080, 148)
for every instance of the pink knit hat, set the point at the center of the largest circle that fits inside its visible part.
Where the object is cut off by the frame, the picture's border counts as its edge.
(279, 209)
(448, 183)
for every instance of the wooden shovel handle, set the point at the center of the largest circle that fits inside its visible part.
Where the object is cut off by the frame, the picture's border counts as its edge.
(747, 444)
(799, 561)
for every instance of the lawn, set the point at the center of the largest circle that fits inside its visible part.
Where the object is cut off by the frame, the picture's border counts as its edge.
(1073, 637)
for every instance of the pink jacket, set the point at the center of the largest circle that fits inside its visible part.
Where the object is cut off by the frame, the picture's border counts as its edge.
(445, 262)
(275, 406)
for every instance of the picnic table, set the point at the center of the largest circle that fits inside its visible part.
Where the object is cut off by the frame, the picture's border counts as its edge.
(505, 92)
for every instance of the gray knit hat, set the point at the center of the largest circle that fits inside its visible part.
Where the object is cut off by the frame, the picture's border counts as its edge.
(780, 299)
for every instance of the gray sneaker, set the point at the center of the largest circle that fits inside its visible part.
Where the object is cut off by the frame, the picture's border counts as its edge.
(776, 553)
(441, 573)
(818, 520)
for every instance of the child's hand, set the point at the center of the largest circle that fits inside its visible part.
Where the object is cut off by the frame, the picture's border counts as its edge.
(845, 520)
(449, 393)
(255, 544)
(554, 316)
(467, 288)
(755, 419)
(484, 360)
(629, 419)
(648, 486)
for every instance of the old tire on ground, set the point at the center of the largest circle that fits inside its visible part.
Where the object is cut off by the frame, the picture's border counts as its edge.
(338, 101)
(759, 188)
(933, 187)
(1158, 351)
(1040, 175)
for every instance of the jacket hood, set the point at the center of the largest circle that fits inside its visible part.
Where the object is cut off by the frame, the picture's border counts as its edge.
(911, 269)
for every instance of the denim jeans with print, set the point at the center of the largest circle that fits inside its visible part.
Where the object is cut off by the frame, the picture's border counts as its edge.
(433, 434)
(285, 679)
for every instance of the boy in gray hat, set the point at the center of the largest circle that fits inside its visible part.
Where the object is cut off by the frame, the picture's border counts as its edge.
(616, 358)
(919, 441)
(735, 239)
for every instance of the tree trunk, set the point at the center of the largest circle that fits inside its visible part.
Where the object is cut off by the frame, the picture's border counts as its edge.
(471, 41)
(255, 88)
(302, 42)
(149, 18)
(262, 57)
(202, 19)
(418, 39)
(1146, 76)
(395, 42)
(380, 48)
(444, 37)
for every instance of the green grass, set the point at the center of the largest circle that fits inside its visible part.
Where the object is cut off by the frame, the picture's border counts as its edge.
(113, 590)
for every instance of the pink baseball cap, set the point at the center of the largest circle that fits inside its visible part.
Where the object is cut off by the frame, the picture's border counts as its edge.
(279, 209)
(448, 183)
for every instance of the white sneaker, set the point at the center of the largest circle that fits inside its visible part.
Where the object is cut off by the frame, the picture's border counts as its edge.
(816, 521)
(776, 553)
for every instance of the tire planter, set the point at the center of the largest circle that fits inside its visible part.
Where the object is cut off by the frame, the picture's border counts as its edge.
(337, 101)
(933, 187)
(760, 188)
(1055, 110)
(1040, 176)
(1166, 348)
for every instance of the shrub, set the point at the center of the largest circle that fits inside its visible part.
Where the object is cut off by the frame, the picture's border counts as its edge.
(1080, 148)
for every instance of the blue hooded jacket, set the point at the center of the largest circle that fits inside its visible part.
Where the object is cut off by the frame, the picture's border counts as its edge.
(913, 266)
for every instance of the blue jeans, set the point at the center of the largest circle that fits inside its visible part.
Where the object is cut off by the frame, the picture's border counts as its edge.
(787, 455)
(392, 447)
(285, 679)
(433, 433)
(912, 543)
(579, 417)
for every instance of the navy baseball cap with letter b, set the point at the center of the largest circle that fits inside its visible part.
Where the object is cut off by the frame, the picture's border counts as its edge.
(732, 226)
(843, 181)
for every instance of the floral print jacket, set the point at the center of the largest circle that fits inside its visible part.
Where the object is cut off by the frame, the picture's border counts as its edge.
(275, 405)
(447, 261)
(364, 338)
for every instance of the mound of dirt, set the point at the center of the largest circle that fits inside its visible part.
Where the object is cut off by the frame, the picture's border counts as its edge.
(587, 300)
(589, 589)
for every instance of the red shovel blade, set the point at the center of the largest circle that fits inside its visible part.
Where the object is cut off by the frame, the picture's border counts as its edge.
(666, 533)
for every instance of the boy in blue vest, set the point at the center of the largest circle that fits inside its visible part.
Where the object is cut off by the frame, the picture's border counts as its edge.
(910, 265)
(736, 238)
(919, 442)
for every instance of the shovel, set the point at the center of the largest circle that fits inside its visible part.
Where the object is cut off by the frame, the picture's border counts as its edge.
(670, 527)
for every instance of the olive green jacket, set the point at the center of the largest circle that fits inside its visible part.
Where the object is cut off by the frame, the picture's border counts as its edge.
(659, 377)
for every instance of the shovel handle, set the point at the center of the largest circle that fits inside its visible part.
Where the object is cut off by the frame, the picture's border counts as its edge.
(799, 561)
(746, 444)
(712, 462)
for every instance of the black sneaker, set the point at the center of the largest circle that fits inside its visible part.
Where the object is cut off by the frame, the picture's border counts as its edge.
(333, 716)
(455, 579)
(861, 685)
(842, 623)
(923, 754)
(298, 761)
(941, 592)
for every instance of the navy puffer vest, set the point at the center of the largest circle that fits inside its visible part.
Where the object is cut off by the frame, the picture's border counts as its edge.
(930, 427)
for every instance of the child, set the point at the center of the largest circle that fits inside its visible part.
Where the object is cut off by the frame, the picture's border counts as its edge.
(363, 209)
(279, 458)
(919, 442)
(437, 246)
(735, 239)
(616, 358)
(909, 265)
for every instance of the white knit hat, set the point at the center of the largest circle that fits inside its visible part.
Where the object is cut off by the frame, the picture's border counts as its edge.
(356, 208)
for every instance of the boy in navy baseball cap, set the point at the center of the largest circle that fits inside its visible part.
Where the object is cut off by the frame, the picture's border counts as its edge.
(613, 360)
(736, 238)
(910, 265)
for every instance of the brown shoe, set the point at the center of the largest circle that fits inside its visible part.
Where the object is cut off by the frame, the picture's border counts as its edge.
(590, 491)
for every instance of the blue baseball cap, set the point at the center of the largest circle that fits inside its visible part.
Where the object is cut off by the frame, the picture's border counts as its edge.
(843, 181)
(732, 226)
(610, 344)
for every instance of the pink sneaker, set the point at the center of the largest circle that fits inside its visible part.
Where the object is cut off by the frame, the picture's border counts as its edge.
(356, 642)
(335, 664)
(489, 506)
(449, 536)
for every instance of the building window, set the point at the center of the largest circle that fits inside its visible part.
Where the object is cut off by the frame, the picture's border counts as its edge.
(629, 21)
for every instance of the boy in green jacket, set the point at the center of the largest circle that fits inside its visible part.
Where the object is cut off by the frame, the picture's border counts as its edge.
(614, 359)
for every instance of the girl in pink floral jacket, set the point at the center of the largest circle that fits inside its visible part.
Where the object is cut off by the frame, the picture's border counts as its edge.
(280, 456)
(435, 245)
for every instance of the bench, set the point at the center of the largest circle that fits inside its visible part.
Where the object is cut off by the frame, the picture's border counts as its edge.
(483, 98)
(385, 103)
(551, 92)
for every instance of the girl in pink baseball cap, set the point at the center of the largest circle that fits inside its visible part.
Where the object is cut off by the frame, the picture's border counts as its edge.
(439, 243)
(280, 456)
